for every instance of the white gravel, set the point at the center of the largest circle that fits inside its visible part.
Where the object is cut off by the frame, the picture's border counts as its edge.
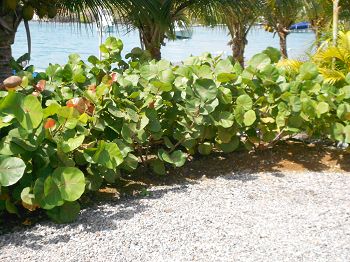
(239, 217)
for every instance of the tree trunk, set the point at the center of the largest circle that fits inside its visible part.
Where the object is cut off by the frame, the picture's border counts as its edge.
(238, 47)
(154, 50)
(153, 38)
(238, 31)
(8, 28)
(335, 21)
(317, 37)
(283, 43)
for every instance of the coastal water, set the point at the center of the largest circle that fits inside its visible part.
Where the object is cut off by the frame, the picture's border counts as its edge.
(52, 43)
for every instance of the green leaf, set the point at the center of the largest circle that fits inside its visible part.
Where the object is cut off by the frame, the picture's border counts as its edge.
(230, 146)
(225, 95)
(205, 148)
(322, 108)
(106, 154)
(205, 89)
(337, 132)
(11, 170)
(94, 182)
(245, 102)
(347, 134)
(158, 167)
(225, 134)
(224, 67)
(72, 143)
(177, 158)
(343, 111)
(249, 118)
(226, 119)
(66, 213)
(259, 61)
(225, 77)
(51, 110)
(295, 103)
(308, 71)
(114, 44)
(28, 197)
(31, 115)
(167, 76)
(110, 175)
(165, 87)
(52, 193)
(39, 194)
(131, 162)
(70, 182)
(295, 122)
(273, 53)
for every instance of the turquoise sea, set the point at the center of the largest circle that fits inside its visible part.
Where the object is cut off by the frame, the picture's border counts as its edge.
(53, 42)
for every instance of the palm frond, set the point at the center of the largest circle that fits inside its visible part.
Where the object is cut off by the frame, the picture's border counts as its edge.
(332, 76)
(290, 65)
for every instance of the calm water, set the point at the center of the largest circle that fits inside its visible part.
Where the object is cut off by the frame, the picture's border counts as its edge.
(52, 43)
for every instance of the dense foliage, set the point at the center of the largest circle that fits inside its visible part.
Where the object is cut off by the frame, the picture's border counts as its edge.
(77, 127)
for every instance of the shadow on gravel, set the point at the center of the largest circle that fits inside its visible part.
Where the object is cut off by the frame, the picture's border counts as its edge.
(104, 216)
(285, 156)
(243, 166)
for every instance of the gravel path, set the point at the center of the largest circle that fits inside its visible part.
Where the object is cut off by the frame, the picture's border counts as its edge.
(246, 217)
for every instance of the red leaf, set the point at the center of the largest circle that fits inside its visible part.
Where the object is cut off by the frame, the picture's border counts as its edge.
(50, 123)
(92, 88)
(40, 86)
(114, 77)
(82, 105)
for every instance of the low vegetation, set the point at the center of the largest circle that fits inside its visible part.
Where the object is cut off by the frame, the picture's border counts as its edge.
(80, 126)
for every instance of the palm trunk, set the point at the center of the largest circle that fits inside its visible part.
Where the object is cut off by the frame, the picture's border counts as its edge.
(283, 43)
(335, 20)
(153, 39)
(239, 40)
(317, 37)
(316, 29)
(154, 50)
(8, 28)
(238, 48)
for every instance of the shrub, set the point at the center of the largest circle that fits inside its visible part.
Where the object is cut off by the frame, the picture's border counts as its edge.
(76, 127)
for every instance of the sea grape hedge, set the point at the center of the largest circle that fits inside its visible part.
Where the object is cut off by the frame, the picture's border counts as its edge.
(78, 126)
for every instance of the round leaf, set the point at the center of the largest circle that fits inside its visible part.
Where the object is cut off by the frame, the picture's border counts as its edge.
(245, 102)
(205, 148)
(249, 118)
(52, 193)
(322, 108)
(11, 170)
(205, 89)
(70, 182)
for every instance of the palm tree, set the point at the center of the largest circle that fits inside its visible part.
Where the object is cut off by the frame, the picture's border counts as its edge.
(280, 15)
(158, 22)
(319, 14)
(13, 12)
(334, 60)
(239, 21)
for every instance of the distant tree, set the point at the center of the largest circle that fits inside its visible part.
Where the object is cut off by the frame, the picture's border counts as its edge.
(238, 17)
(158, 22)
(319, 14)
(280, 15)
(239, 21)
(13, 12)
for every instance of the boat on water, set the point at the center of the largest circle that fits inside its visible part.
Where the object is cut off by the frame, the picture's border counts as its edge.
(302, 27)
(183, 33)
